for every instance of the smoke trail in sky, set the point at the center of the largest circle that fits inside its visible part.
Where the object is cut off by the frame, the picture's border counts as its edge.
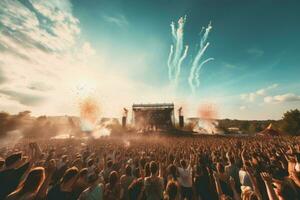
(194, 77)
(170, 63)
(197, 76)
(173, 29)
(178, 54)
(180, 62)
(177, 51)
(195, 66)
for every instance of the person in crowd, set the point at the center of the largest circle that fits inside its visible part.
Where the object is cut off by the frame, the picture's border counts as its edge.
(81, 183)
(232, 170)
(147, 171)
(29, 188)
(136, 189)
(223, 179)
(279, 189)
(126, 181)
(172, 173)
(152, 168)
(108, 168)
(10, 176)
(244, 176)
(113, 187)
(95, 191)
(185, 180)
(136, 173)
(62, 166)
(171, 192)
(77, 163)
(63, 189)
(154, 184)
(221, 194)
(201, 183)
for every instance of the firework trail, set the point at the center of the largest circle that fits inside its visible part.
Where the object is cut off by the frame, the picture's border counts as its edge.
(180, 62)
(177, 51)
(205, 36)
(195, 66)
(197, 76)
(194, 77)
(170, 68)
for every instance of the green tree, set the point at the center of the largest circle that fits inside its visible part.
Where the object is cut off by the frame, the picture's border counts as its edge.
(222, 126)
(290, 122)
(252, 128)
(244, 126)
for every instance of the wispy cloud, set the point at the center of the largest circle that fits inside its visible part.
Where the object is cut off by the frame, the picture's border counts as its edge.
(288, 97)
(250, 97)
(243, 107)
(118, 20)
(255, 52)
(39, 40)
(23, 98)
(229, 65)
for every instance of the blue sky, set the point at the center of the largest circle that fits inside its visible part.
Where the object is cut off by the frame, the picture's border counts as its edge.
(55, 53)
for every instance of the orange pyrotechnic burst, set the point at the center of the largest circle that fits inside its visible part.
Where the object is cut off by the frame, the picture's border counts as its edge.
(89, 109)
(207, 112)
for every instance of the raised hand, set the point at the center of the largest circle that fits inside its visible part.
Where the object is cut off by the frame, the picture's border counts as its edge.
(249, 171)
(291, 166)
(231, 182)
(291, 149)
(266, 177)
(51, 167)
(215, 175)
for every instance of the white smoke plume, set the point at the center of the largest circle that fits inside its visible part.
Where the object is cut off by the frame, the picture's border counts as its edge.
(100, 131)
(177, 51)
(207, 123)
(204, 126)
(197, 76)
(11, 138)
(194, 77)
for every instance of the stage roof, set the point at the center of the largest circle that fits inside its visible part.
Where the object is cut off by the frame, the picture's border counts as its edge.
(153, 106)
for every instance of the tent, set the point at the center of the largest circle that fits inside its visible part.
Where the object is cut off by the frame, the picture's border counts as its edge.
(269, 131)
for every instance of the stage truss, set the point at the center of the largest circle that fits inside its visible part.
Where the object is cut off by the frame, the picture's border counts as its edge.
(153, 116)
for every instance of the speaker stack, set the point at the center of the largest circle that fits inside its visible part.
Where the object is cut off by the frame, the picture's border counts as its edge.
(181, 121)
(124, 122)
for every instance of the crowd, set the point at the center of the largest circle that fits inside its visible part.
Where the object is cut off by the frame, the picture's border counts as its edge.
(152, 168)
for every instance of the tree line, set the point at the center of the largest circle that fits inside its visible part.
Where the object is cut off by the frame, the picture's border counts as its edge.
(288, 124)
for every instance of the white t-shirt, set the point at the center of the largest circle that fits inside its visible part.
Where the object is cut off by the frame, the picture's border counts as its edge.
(185, 176)
(244, 178)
